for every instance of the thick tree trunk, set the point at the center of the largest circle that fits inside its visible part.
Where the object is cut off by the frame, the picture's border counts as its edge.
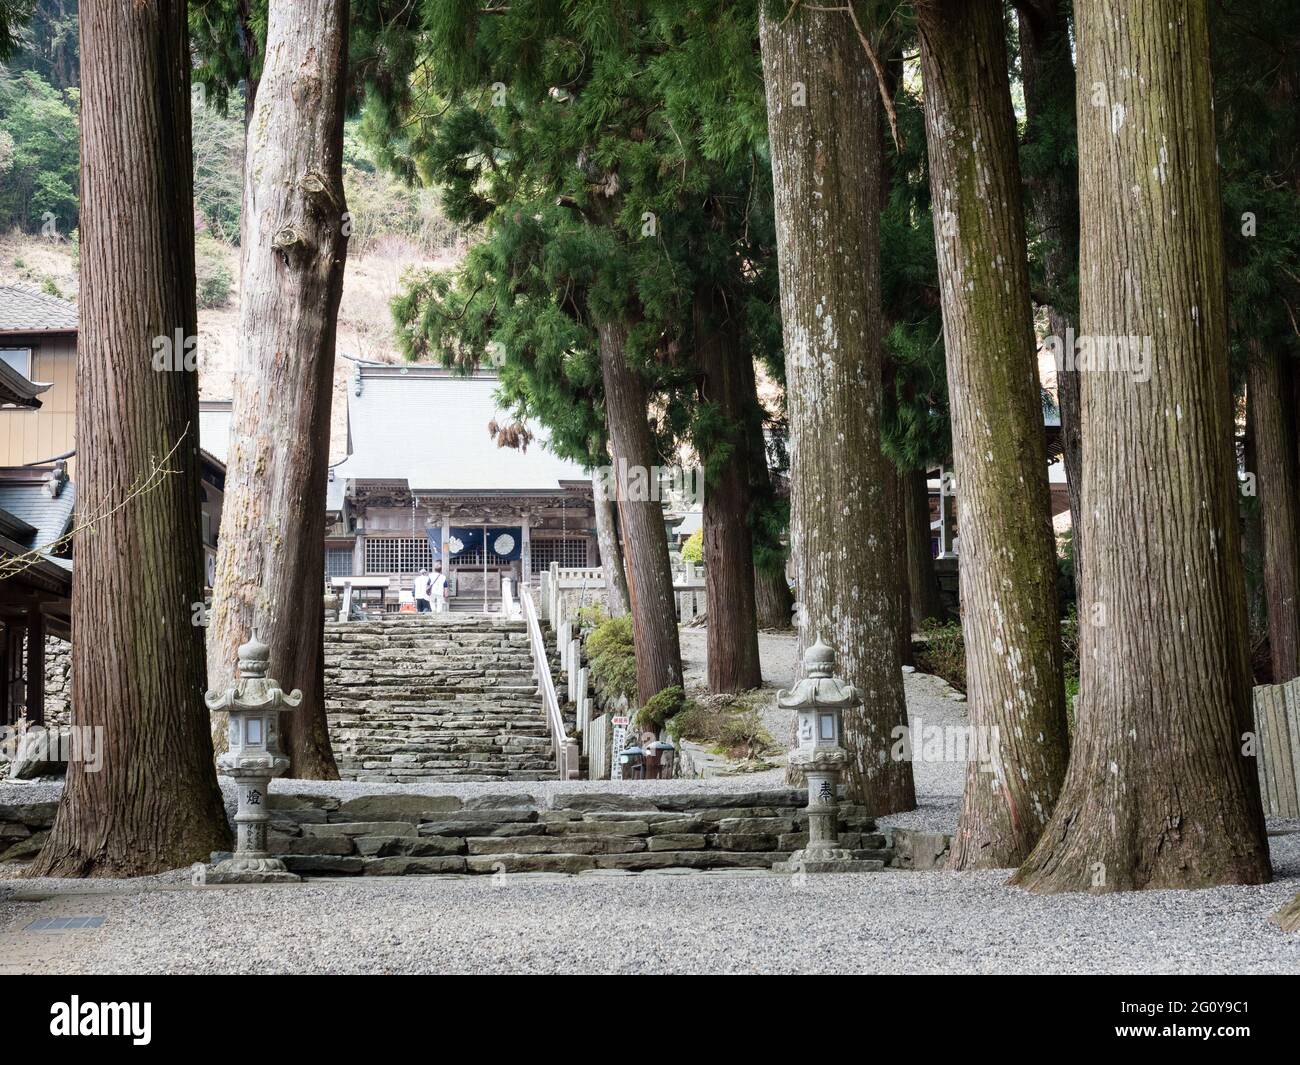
(137, 655)
(270, 567)
(1272, 394)
(1159, 793)
(645, 541)
(773, 602)
(732, 641)
(611, 554)
(1047, 73)
(822, 112)
(925, 596)
(1008, 571)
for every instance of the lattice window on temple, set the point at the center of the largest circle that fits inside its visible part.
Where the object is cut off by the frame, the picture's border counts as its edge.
(398, 555)
(568, 553)
(338, 562)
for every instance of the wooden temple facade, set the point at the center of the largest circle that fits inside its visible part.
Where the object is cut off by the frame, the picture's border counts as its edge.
(425, 482)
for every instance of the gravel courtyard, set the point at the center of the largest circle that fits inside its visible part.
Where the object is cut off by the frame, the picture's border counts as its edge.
(724, 922)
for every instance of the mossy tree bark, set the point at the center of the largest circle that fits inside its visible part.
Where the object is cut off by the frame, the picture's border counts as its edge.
(1007, 573)
(270, 566)
(137, 655)
(645, 543)
(822, 104)
(1272, 384)
(732, 640)
(1159, 793)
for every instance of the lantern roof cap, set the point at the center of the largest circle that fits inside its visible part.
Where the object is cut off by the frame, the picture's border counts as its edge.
(254, 691)
(820, 688)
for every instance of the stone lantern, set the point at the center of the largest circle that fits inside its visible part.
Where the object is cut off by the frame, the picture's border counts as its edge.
(819, 701)
(254, 757)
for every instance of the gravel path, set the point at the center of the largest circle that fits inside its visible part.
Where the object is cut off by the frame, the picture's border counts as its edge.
(725, 922)
(929, 922)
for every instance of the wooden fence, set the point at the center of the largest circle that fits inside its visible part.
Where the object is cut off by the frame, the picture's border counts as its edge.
(1277, 746)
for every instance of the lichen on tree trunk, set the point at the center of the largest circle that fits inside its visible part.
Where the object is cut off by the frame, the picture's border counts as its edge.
(1160, 791)
(822, 105)
(137, 655)
(1007, 572)
(270, 565)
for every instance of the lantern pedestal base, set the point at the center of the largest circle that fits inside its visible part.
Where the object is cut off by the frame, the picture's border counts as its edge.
(827, 861)
(249, 871)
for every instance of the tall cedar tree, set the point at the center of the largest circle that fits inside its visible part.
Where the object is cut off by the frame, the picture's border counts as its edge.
(533, 144)
(1160, 793)
(618, 270)
(916, 428)
(611, 552)
(1050, 164)
(822, 108)
(295, 221)
(1256, 64)
(137, 656)
(711, 80)
(1008, 571)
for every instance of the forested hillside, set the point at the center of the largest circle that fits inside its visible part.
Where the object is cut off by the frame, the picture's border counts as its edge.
(395, 226)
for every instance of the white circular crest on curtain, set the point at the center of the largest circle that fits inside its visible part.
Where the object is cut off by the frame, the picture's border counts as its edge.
(503, 544)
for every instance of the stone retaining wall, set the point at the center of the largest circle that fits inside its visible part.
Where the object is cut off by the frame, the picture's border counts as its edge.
(390, 835)
(58, 681)
(580, 832)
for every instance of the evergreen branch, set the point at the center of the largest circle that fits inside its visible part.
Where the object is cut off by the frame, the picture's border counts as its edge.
(465, 309)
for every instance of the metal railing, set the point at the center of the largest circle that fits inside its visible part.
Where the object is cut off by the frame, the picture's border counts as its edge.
(566, 750)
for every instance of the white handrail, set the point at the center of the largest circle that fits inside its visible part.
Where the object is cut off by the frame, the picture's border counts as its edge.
(566, 751)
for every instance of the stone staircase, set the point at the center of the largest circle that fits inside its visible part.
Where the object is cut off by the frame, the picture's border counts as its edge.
(423, 698)
(583, 832)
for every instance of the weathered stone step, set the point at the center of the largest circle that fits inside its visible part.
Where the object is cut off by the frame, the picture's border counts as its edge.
(434, 698)
(410, 834)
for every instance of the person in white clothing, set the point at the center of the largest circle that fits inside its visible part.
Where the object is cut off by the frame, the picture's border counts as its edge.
(423, 592)
(438, 589)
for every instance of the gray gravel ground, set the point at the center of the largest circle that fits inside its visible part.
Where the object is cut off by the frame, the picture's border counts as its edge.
(885, 923)
(893, 922)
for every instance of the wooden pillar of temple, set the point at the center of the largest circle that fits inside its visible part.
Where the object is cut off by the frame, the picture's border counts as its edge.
(525, 550)
(14, 695)
(36, 668)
